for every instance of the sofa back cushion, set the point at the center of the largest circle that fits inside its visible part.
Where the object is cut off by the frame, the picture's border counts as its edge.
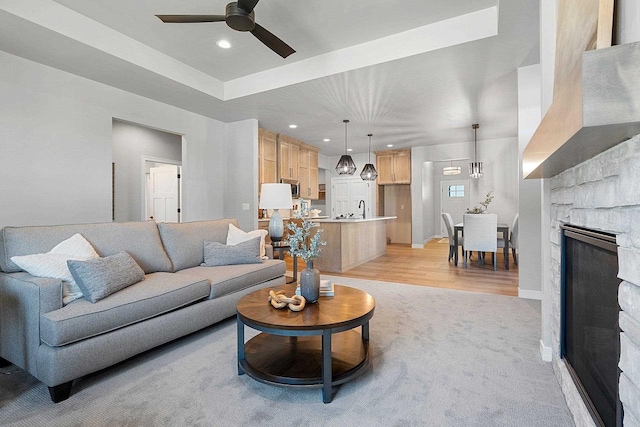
(184, 242)
(140, 239)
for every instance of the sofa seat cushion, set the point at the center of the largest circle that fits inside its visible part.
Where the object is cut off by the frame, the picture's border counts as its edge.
(226, 279)
(159, 293)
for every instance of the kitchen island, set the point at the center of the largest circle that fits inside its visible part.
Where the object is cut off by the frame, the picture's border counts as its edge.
(351, 242)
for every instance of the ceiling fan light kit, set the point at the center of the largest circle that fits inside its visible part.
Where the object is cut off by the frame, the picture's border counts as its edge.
(369, 172)
(240, 17)
(475, 167)
(346, 165)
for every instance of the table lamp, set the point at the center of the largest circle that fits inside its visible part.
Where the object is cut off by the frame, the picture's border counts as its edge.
(276, 196)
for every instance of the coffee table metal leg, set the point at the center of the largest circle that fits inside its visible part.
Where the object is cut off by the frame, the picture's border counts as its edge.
(327, 378)
(365, 331)
(240, 334)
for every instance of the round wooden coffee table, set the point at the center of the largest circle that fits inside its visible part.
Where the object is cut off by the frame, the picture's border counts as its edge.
(316, 347)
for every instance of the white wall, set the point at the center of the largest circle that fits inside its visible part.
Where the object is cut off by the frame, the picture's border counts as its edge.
(429, 193)
(530, 248)
(240, 174)
(130, 143)
(500, 166)
(55, 149)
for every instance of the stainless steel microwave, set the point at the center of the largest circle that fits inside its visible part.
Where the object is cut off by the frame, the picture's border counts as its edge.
(295, 187)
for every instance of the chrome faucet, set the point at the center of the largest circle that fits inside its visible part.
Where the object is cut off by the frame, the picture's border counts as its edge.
(364, 208)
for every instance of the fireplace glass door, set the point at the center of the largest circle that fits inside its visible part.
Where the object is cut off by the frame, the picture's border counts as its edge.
(590, 333)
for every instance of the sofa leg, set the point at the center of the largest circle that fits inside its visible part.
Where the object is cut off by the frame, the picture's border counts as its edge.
(60, 392)
(4, 363)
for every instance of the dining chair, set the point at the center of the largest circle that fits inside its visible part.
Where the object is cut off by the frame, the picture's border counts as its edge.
(513, 239)
(448, 222)
(480, 235)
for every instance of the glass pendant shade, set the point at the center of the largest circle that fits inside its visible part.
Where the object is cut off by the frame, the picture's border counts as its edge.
(369, 172)
(475, 167)
(475, 170)
(346, 165)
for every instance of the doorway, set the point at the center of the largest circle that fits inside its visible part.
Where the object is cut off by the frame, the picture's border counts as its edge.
(454, 198)
(135, 150)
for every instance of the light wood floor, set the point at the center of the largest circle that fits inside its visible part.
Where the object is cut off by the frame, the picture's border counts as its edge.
(429, 267)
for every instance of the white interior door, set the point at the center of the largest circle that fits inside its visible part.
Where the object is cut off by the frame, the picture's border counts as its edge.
(339, 198)
(360, 191)
(164, 193)
(346, 194)
(454, 198)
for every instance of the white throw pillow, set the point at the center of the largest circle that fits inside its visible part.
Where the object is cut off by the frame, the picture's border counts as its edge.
(53, 264)
(236, 236)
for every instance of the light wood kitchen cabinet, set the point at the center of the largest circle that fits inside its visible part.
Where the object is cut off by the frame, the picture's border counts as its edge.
(289, 149)
(394, 167)
(267, 157)
(308, 172)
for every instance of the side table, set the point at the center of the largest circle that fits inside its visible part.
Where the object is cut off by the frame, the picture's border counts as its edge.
(281, 247)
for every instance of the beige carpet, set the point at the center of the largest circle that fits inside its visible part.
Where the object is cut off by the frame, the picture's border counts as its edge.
(441, 358)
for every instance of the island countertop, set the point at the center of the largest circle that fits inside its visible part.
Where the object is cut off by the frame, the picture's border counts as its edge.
(351, 220)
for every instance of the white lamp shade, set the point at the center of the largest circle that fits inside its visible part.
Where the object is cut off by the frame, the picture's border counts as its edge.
(275, 196)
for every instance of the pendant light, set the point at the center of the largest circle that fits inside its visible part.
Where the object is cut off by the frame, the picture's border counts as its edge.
(451, 170)
(369, 172)
(345, 165)
(475, 168)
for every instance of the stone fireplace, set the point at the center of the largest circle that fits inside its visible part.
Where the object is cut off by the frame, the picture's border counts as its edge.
(603, 193)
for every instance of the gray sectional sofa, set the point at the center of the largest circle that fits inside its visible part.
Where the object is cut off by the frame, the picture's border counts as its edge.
(57, 344)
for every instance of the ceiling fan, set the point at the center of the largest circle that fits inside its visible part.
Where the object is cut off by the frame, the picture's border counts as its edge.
(241, 17)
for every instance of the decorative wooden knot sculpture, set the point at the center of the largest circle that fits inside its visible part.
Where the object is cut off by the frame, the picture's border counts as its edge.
(280, 300)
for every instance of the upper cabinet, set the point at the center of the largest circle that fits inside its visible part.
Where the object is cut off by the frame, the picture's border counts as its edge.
(394, 167)
(267, 157)
(308, 172)
(283, 157)
(288, 158)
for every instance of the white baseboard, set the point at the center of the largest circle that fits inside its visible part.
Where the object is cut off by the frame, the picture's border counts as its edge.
(545, 352)
(527, 294)
(417, 246)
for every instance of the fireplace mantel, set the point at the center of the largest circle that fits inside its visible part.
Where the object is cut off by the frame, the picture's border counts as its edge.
(609, 113)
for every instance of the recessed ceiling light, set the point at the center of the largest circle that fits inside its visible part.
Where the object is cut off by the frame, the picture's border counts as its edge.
(223, 44)
(389, 145)
(293, 126)
(326, 140)
(349, 149)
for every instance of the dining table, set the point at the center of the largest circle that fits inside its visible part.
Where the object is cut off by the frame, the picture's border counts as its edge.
(502, 228)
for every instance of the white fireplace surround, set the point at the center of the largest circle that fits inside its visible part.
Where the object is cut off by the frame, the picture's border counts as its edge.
(603, 193)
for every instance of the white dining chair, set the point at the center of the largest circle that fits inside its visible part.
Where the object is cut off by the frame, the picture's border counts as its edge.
(480, 235)
(513, 239)
(448, 222)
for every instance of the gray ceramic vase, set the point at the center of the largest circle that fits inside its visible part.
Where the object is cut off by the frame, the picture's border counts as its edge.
(310, 283)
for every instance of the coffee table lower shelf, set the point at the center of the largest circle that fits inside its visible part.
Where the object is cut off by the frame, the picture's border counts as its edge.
(297, 360)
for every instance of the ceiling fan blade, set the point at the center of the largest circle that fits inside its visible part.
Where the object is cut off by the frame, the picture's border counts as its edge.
(247, 5)
(186, 19)
(272, 42)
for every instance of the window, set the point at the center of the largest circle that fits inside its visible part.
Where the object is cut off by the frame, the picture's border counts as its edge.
(456, 191)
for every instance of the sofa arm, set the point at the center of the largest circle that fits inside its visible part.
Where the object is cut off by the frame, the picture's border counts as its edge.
(268, 251)
(23, 300)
